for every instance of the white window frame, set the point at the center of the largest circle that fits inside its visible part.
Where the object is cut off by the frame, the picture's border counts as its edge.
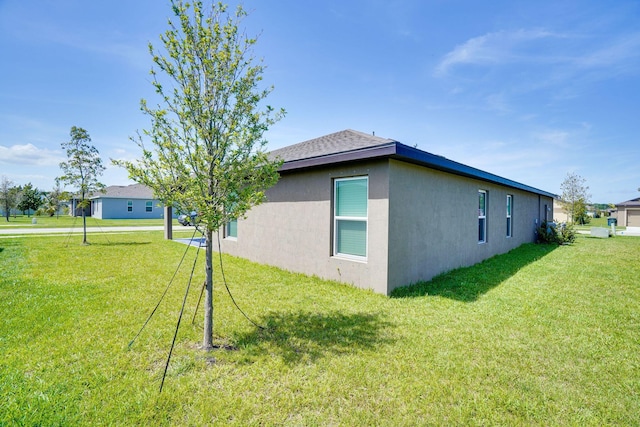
(337, 218)
(482, 217)
(509, 215)
(148, 206)
(129, 205)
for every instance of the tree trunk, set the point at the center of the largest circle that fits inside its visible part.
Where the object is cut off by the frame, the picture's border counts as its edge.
(84, 227)
(207, 342)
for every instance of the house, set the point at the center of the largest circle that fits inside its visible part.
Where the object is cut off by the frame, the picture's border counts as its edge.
(379, 214)
(560, 215)
(628, 213)
(121, 202)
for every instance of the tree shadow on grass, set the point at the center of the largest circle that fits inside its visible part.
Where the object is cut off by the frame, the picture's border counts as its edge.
(467, 284)
(304, 337)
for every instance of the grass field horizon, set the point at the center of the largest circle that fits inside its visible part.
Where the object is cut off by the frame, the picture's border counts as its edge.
(543, 335)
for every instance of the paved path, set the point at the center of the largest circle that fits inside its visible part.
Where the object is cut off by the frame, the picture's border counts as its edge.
(196, 241)
(619, 232)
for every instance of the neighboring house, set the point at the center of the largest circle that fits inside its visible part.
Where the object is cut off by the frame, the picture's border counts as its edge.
(628, 214)
(560, 215)
(379, 214)
(122, 202)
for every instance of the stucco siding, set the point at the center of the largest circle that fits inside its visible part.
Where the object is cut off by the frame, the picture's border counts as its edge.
(433, 224)
(421, 222)
(293, 229)
(116, 208)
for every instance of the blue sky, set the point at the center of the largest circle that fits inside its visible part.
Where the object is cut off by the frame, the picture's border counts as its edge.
(526, 90)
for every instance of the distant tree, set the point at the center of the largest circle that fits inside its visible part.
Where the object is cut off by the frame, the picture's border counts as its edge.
(580, 212)
(209, 152)
(8, 196)
(30, 199)
(574, 194)
(82, 170)
(54, 198)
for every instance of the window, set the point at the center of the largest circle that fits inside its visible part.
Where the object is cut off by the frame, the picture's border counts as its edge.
(482, 216)
(232, 229)
(350, 217)
(149, 206)
(509, 209)
(129, 205)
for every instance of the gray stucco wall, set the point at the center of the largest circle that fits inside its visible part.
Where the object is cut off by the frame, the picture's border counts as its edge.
(421, 222)
(293, 230)
(434, 222)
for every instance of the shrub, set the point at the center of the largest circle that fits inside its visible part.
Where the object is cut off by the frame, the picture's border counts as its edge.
(549, 232)
(567, 234)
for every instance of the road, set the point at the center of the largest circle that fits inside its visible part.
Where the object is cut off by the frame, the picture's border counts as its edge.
(26, 230)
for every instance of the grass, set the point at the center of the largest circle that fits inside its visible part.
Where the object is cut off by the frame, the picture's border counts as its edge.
(596, 222)
(539, 336)
(45, 221)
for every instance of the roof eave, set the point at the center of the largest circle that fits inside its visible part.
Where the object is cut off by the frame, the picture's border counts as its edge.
(368, 153)
(414, 155)
(399, 151)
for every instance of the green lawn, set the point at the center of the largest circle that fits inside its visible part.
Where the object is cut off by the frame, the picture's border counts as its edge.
(596, 222)
(540, 336)
(75, 222)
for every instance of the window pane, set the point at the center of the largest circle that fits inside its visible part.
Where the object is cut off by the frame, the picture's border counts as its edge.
(481, 230)
(232, 228)
(509, 205)
(351, 197)
(351, 237)
(508, 227)
(482, 204)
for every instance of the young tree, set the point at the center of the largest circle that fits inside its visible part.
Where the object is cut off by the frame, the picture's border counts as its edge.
(574, 194)
(82, 170)
(8, 196)
(54, 198)
(580, 212)
(30, 199)
(209, 154)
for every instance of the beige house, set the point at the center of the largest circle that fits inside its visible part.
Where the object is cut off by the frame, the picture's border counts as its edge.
(560, 215)
(628, 214)
(379, 214)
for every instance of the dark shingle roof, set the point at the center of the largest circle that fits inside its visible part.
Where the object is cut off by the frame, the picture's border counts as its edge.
(134, 191)
(349, 145)
(339, 142)
(632, 202)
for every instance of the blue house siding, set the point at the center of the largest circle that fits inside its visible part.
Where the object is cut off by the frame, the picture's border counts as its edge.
(116, 208)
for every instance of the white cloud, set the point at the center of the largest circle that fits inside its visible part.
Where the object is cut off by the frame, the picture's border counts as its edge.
(570, 53)
(124, 155)
(29, 155)
(492, 48)
(615, 53)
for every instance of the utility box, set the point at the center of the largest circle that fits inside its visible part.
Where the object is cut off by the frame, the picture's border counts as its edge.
(600, 232)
